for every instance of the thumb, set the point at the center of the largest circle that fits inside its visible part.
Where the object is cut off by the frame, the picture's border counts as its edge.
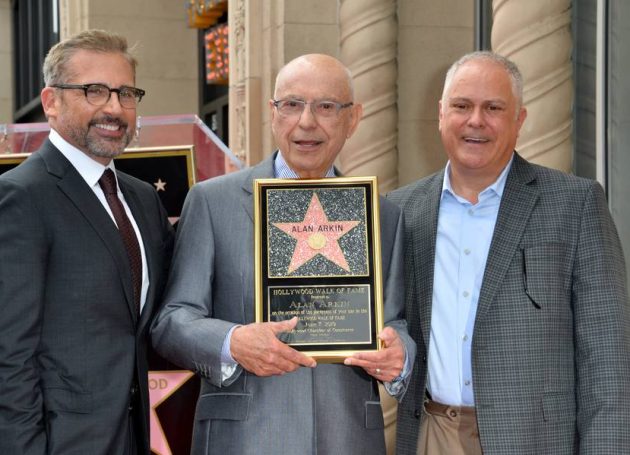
(284, 326)
(388, 335)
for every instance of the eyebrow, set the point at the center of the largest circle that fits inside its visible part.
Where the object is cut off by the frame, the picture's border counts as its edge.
(460, 99)
(303, 98)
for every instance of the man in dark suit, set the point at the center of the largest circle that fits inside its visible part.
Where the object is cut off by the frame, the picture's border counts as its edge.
(83, 255)
(258, 395)
(516, 291)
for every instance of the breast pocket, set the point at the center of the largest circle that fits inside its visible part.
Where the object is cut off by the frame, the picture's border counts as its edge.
(546, 273)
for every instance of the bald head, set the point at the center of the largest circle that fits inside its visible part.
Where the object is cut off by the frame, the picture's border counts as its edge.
(322, 65)
(308, 137)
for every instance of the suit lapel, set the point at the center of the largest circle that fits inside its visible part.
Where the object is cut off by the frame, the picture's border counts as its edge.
(518, 201)
(74, 187)
(263, 170)
(424, 216)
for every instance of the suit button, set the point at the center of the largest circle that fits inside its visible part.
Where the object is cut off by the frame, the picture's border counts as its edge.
(417, 413)
(424, 359)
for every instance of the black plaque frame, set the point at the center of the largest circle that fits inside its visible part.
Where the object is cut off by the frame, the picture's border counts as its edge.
(176, 164)
(339, 301)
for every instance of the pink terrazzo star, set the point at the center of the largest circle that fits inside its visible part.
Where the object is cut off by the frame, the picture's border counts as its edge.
(317, 235)
(162, 384)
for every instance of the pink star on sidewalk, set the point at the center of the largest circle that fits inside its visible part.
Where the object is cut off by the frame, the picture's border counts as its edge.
(162, 384)
(317, 235)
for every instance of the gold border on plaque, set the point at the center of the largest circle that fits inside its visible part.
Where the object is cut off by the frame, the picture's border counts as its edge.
(12, 158)
(336, 355)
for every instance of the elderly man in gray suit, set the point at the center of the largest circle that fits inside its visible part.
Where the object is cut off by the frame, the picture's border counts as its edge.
(516, 291)
(258, 395)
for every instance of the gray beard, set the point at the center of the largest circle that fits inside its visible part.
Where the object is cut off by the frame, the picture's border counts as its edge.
(100, 147)
(107, 149)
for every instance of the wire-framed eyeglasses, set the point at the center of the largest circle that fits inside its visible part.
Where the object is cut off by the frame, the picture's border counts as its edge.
(99, 94)
(292, 108)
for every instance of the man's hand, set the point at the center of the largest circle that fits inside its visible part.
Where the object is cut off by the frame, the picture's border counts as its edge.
(257, 349)
(386, 364)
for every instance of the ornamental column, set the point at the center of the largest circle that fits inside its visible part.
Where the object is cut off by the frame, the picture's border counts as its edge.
(536, 35)
(245, 80)
(368, 46)
(369, 31)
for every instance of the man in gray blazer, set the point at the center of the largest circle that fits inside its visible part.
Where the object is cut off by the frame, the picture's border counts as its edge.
(516, 292)
(75, 301)
(258, 395)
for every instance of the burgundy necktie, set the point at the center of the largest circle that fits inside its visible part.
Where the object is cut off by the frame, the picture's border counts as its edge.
(128, 235)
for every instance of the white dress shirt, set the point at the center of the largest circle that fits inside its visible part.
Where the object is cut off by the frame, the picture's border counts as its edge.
(91, 171)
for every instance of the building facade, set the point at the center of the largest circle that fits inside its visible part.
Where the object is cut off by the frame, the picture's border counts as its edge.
(573, 54)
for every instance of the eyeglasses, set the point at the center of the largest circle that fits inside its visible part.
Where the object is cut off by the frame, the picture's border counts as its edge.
(321, 109)
(99, 94)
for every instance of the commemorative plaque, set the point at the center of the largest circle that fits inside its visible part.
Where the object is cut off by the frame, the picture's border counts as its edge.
(318, 258)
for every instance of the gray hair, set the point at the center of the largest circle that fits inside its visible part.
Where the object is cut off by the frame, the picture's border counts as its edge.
(509, 66)
(56, 61)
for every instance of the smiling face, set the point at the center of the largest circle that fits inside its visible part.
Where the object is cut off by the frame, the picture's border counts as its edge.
(101, 132)
(480, 120)
(310, 144)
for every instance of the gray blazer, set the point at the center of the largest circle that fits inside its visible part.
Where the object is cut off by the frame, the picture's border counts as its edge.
(332, 409)
(70, 341)
(551, 346)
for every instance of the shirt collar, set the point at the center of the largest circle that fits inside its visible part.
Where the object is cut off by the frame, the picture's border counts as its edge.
(89, 169)
(497, 187)
(282, 170)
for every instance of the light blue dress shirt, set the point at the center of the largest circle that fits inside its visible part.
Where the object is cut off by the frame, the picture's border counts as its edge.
(464, 233)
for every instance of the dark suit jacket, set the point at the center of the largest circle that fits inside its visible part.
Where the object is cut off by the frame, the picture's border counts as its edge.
(70, 342)
(332, 409)
(551, 343)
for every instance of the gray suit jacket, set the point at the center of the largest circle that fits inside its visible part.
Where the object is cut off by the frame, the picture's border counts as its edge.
(70, 341)
(333, 409)
(551, 343)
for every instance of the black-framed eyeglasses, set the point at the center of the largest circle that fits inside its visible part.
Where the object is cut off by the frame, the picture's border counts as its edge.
(99, 94)
(319, 108)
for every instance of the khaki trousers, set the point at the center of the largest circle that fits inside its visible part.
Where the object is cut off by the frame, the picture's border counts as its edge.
(448, 430)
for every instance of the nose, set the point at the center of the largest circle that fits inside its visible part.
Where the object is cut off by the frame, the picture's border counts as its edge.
(476, 117)
(113, 104)
(307, 118)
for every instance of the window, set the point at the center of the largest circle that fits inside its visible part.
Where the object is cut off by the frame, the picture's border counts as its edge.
(35, 30)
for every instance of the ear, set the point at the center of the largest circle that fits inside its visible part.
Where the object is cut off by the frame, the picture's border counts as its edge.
(440, 115)
(50, 101)
(272, 108)
(522, 115)
(272, 116)
(356, 112)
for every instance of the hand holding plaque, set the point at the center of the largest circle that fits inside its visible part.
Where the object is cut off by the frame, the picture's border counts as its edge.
(318, 259)
(257, 349)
